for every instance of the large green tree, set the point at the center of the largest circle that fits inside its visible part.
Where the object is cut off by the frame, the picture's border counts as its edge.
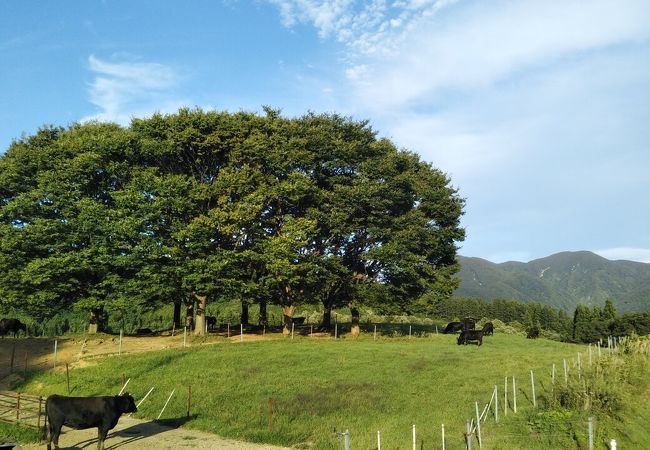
(200, 206)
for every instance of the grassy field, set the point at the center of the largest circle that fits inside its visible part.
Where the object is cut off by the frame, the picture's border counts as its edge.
(321, 387)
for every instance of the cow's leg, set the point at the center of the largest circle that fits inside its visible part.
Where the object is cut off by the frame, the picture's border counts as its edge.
(101, 436)
(55, 432)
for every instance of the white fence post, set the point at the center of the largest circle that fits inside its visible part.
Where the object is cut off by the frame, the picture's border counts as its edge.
(532, 383)
(514, 395)
(163, 408)
(505, 397)
(56, 343)
(443, 437)
(378, 440)
(119, 351)
(414, 439)
(590, 430)
(478, 426)
(496, 404)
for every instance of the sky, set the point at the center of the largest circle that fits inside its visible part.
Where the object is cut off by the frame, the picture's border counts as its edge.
(538, 111)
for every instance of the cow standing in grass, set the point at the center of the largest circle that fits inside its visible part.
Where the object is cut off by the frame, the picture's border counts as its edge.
(488, 329)
(85, 412)
(11, 326)
(533, 333)
(452, 327)
(467, 336)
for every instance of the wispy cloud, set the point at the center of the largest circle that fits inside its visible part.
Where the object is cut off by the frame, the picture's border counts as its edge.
(123, 89)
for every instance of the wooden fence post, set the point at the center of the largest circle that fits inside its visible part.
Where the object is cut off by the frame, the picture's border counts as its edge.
(18, 407)
(40, 410)
(532, 383)
(13, 353)
(189, 400)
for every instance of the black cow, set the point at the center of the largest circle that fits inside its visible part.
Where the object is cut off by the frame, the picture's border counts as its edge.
(452, 327)
(488, 329)
(533, 333)
(470, 336)
(211, 322)
(298, 320)
(11, 326)
(85, 412)
(468, 323)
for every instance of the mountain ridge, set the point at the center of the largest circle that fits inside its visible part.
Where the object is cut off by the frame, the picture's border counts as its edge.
(562, 280)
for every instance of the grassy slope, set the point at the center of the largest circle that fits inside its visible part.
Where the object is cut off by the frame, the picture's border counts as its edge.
(319, 386)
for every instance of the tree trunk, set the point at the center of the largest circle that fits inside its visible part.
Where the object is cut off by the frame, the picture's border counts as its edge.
(355, 329)
(96, 318)
(244, 312)
(201, 304)
(287, 313)
(263, 319)
(189, 316)
(327, 317)
(177, 314)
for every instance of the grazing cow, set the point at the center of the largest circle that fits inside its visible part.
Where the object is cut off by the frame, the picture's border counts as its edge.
(468, 323)
(11, 326)
(298, 320)
(470, 336)
(143, 331)
(533, 333)
(85, 412)
(488, 329)
(211, 322)
(452, 327)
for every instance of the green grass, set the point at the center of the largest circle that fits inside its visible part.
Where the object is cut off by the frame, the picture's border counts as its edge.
(11, 432)
(321, 387)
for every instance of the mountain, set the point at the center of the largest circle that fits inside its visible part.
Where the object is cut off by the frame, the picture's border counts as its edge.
(562, 280)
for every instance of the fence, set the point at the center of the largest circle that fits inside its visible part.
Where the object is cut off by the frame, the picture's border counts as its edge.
(24, 409)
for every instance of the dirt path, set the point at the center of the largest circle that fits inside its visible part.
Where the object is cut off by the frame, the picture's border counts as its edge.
(137, 434)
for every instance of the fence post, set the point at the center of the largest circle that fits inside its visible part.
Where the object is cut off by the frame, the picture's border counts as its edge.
(40, 411)
(532, 383)
(346, 440)
(496, 404)
(165, 406)
(443, 437)
(579, 367)
(590, 430)
(336, 330)
(590, 355)
(375, 333)
(566, 375)
(414, 438)
(119, 351)
(505, 397)
(13, 354)
(378, 440)
(468, 436)
(184, 337)
(189, 400)
(478, 426)
(612, 444)
(409, 331)
(292, 327)
(514, 395)
(56, 342)
(18, 407)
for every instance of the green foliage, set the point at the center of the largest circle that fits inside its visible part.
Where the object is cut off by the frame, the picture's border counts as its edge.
(17, 433)
(268, 210)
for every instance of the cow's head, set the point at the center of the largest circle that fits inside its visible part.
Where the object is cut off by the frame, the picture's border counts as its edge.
(127, 403)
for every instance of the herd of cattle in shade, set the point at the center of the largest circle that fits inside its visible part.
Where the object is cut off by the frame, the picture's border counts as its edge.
(104, 412)
(469, 333)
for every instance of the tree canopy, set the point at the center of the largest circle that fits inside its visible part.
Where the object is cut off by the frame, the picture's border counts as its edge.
(213, 205)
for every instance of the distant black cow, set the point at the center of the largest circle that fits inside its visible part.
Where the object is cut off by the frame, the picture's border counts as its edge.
(467, 336)
(298, 320)
(211, 322)
(85, 412)
(452, 327)
(144, 331)
(488, 329)
(11, 326)
(533, 333)
(468, 323)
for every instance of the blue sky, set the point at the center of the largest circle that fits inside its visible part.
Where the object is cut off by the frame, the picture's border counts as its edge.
(539, 111)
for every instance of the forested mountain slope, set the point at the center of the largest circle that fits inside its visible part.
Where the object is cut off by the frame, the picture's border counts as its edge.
(562, 280)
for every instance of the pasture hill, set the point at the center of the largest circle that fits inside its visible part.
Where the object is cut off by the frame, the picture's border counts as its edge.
(562, 280)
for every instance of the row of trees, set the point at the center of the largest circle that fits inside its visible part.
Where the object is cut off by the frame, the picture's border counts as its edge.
(207, 206)
(527, 314)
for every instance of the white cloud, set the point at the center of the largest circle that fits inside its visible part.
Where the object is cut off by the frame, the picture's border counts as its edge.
(125, 89)
(626, 253)
(473, 47)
